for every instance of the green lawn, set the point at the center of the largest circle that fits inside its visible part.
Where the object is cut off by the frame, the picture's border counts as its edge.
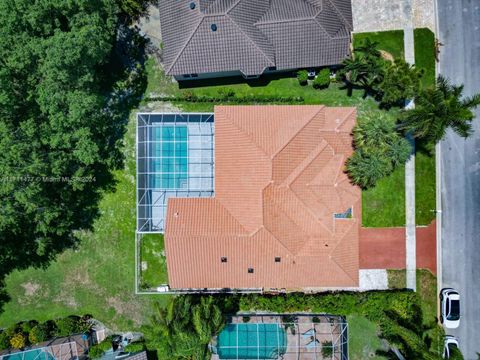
(153, 261)
(363, 339)
(425, 193)
(425, 54)
(389, 41)
(425, 162)
(96, 278)
(384, 205)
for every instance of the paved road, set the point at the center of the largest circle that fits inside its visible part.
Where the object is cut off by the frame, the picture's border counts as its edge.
(459, 25)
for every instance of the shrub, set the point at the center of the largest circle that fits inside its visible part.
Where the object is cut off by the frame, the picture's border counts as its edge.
(302, 76)
(40, 332)
(26, 326)
(18, 341)
(4, 340)
(327, 349)
(322, 81)
(70, 325)
(96, 351)
(135, 347)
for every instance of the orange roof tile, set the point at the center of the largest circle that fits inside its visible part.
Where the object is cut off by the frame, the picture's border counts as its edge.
(279, 181)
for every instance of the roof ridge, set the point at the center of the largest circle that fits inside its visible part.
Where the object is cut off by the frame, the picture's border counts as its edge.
(345, 22)
(305, 162)
(337, 13)
(252, 140)
(339, 242)
(283, 21)
(274, 237)
(278, 208)
(322, 107)
(248, 37)
(185, 45)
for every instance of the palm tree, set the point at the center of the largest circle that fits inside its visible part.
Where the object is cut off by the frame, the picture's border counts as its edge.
(184, 328)
(437, 109)
(366, 68)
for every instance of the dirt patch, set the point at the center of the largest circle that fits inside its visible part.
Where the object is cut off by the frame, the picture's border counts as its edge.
(386, 55)
(31, 288)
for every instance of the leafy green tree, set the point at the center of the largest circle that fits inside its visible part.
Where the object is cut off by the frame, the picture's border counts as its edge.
(379, 148)
(134, 9)
(438, 109)
(401, 82)
(322, 81)
(68, 75)
(302, 76)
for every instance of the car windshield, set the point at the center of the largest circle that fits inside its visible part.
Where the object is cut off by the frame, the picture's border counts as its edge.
(454, 310)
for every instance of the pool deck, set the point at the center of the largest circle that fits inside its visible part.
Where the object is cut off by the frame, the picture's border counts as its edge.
(304, 342)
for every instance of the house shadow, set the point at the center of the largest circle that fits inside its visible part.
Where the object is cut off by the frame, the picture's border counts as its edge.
(262, 80)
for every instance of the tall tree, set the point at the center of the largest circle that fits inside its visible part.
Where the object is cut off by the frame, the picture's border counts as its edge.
(63, 91)
(438, 109)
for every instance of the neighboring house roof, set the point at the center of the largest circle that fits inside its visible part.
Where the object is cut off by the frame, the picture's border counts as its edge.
(252, 35)
(279, 180)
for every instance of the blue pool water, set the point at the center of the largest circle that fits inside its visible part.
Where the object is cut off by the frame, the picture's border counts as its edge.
(170, 148)
(251, 341)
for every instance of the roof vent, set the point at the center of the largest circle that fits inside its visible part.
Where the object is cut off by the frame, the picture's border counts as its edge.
(278, 259)
(213, 27)
(192, 5)
(223, 259)
(250, 270)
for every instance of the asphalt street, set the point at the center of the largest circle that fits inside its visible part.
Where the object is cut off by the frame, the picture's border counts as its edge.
(459, 31)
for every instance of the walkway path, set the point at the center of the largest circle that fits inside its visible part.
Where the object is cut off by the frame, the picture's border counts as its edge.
(410, 177)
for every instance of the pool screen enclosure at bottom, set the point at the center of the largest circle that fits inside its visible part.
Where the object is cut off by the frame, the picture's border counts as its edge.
(251, 341)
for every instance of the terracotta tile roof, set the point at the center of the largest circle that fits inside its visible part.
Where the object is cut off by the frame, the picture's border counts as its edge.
(279, 181)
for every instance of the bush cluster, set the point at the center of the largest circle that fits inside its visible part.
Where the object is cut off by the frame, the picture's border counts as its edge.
(32, 332)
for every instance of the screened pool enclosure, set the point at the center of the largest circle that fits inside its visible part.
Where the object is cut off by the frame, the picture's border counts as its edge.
(175, 158)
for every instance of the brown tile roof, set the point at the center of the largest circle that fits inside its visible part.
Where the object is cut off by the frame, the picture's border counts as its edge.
(279, 181)
(252, 35)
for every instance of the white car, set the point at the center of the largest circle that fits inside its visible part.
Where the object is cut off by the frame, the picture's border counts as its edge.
(450, 346)
(450, 308)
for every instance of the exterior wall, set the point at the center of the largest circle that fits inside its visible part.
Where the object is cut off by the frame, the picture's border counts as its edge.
(383, 15)
(208, 76)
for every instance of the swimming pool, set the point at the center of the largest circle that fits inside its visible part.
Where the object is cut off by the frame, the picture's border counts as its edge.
(170, 152)
(251, 341)
(35, 354)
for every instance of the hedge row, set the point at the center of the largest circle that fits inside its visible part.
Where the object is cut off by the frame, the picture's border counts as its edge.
(249, 99)
(32, 332)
